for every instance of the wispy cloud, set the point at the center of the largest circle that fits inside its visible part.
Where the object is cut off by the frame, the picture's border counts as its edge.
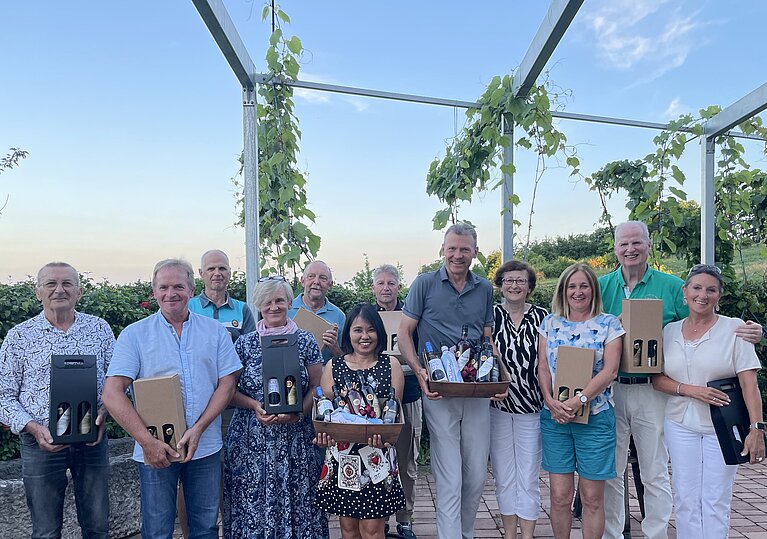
(317, 97)
(675, 109)
(647, 36)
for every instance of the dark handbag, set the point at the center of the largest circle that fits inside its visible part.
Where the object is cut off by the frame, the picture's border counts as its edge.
(731, 422)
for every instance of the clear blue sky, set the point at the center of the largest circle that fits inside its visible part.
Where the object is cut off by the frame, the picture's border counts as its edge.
(133, 119)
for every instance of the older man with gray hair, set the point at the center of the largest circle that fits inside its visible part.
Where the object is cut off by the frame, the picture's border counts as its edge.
(386, 288)
(200, 351)
(25, 374)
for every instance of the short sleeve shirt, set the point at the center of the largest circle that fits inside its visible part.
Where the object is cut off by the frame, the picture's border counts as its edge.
(203, 354)
(441, 310)
(592, 334)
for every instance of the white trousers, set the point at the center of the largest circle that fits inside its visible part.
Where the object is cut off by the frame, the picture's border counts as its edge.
(702, 483)
(515, 451)
(640, 410)
(459, 440)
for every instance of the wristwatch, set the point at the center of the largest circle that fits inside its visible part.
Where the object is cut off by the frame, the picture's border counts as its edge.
(758, 425)
(582, 396)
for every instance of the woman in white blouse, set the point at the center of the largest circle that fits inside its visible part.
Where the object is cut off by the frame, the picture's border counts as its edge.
(701, 348)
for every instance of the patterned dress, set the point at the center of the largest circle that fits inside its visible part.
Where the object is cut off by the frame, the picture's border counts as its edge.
(519, 354)
(373, 500)
(271, 472)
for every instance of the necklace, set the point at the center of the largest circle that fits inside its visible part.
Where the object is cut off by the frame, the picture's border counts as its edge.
(704, 326)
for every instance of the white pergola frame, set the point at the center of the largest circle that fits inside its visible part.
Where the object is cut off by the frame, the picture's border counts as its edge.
(556, 22)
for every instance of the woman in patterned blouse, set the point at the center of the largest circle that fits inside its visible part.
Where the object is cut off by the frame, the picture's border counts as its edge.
(515, 443)
(577, 320)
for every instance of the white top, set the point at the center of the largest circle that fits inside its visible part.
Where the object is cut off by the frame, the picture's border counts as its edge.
(717, 354)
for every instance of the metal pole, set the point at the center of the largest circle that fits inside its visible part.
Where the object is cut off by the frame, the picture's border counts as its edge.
(250, 173)
(707, 208)
(507, 208)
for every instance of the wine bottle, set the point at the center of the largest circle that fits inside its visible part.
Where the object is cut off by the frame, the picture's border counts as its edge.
(436, 369)
(169, 435)
(464, 343)
(582, 409)
(564, 393)
(390, 408)
(63, 419)
(486, 361)
(324, 405)
(355, 399)
(291, 392)
(370, 397)
(637, 357)
(274, 392)
(85, 418)
(450, 363)
(652, 353)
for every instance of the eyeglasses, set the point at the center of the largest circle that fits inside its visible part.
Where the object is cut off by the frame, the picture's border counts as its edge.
(699, 268)
(509, 280)
(272, 278)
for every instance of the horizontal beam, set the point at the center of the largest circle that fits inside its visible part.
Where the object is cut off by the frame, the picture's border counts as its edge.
(216, 18)
(261, 78)
(558, 18)
(740, 111)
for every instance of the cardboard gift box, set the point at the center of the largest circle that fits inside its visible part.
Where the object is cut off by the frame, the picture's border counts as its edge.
(480, 390)
(281, 372)
(315, 325)
(73, 399)
(391, 321)
(160, 405)
(359, 432)
(575, 367)
(643, 343)
(731, 419)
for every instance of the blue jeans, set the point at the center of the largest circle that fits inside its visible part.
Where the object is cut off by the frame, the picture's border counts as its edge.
(201, 479)
(45, 482)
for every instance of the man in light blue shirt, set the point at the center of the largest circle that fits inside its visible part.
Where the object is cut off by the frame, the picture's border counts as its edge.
(317, 281)
(200, 351)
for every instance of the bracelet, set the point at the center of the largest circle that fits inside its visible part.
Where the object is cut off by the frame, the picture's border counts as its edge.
(678, 386)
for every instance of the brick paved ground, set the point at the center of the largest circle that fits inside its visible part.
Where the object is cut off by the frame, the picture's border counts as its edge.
(748, 518)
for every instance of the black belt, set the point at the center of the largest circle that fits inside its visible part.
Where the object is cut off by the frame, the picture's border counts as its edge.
(633, 380)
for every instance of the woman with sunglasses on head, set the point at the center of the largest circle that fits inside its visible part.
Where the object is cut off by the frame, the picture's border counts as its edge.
(271, 465)
(366, 493)
(696, 350)
(577, 320)
(515, 433)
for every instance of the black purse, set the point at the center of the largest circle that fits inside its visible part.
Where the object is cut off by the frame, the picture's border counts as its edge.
(731, 422)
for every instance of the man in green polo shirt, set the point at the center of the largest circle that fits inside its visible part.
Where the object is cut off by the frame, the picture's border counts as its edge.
(639, 409)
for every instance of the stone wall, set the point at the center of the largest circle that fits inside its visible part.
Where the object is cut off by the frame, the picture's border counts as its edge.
(124, 504)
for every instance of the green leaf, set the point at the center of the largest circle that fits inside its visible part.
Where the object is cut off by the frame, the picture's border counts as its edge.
(439, 221)
(294, 45)
(573, 162)
(264, 13)
(678, 175)
(678, 192)
(275, 37)
(284, 16)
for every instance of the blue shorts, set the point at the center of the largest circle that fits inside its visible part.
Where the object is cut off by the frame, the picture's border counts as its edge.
(588, 449)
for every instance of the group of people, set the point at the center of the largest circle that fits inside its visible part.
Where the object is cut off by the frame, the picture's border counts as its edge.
(280, 479)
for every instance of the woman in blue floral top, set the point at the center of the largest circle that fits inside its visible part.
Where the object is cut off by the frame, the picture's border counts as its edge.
(577, 320)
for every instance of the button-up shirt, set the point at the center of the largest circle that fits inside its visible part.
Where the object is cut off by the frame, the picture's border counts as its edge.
(25, 364)
(200, 356)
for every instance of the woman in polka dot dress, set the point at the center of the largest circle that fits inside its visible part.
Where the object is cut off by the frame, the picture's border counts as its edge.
(360, 483)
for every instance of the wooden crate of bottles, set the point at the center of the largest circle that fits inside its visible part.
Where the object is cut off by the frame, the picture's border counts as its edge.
(358, 432)
(73, 391)
(472, 389)
(281, 374)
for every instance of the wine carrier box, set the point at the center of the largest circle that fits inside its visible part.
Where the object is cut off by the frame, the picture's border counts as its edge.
(279, 361)
(73, 386)
(643, 343)
(575, 367)
(160, 404)
(730, 418)
(391, 321)
(359, 433)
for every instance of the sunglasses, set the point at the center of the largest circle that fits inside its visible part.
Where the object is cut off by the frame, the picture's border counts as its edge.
(699, 268)
(272, 278)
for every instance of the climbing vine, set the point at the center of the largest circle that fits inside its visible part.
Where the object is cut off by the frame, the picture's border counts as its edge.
(470, 157)
(286, 241)
(654, 195)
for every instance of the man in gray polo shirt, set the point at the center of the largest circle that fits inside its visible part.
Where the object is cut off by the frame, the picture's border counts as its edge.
(437, 306)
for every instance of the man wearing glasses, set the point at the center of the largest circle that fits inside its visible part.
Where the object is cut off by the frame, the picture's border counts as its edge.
(317, 281)
(639, 409)
(25, 367)
(215, 302)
